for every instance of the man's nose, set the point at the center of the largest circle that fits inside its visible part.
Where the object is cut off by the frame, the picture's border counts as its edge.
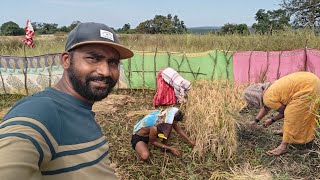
(103, 68)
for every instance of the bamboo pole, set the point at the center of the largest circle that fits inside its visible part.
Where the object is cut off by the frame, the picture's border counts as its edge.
(129, 72)
(214, 59)
(279, 64)
(179, 65)
(268, 57)
(50, 71)
(227, 60)
(25, 70)
(169, 59)
(184, 55)
(155, 66)
(2, 80)
(197, 73)
(143, 81)
(305, 56)
(249, 68)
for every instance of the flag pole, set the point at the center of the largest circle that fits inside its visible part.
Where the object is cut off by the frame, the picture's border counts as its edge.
(29, 41)
(25, 70)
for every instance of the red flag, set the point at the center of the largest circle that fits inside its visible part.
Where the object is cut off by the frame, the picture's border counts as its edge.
(29, 35)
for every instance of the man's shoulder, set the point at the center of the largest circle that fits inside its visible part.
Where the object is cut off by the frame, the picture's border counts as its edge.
(37, 106)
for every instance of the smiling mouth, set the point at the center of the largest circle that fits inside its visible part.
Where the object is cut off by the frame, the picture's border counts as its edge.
(99, 83)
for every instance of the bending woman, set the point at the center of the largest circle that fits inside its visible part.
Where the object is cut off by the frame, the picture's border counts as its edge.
(293, 96)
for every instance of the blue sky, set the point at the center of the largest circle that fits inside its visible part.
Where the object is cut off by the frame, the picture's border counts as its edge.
(116, 13)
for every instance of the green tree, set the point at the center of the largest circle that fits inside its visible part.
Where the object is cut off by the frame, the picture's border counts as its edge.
(229, 28)
(179, 26)
(162, 25)
(234, 28)
(145, 27)
(126, 29)
(303, 12)
(45, 28)
(64, 29)
(243, 29)
(270, 20)
(11, 29)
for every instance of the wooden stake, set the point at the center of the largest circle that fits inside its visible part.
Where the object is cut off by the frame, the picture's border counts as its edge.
(214, 63)
(25, 70)
(305, 56)
(155, 66)
(184, 55)
(4, 87)
(143, 82)
(279, 64)
(249, 69)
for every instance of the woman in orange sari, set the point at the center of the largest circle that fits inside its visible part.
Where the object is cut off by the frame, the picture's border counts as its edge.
(293, 96)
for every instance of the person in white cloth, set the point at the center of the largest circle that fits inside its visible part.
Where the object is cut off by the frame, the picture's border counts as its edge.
(157, 124)
(181, 86)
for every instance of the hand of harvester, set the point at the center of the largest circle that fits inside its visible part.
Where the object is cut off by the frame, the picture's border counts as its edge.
(267, 123)
(175, 151)
(254, 125)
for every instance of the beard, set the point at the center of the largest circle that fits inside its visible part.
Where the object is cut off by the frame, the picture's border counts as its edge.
(85, 89)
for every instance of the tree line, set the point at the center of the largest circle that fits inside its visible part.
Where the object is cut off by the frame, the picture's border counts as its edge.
(293, 13)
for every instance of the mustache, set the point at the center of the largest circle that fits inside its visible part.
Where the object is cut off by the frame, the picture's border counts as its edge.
(107, 80)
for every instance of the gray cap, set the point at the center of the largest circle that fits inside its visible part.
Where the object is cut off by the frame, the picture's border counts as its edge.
(96, 33)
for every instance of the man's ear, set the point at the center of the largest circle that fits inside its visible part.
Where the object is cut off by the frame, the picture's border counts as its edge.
(65, 60)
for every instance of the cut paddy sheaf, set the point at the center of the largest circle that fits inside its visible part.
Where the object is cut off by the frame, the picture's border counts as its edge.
(210, 118)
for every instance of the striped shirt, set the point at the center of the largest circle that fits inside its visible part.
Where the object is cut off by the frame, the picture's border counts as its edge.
(53, 135)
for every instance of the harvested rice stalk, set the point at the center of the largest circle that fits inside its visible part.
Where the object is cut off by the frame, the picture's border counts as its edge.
(243, 172)
(209, 118)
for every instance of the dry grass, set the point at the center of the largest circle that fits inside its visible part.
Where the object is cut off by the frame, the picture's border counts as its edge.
(6, 101)
(210, 120)
(125, 107)
(284, 40)
(243, 172)
(43, 45)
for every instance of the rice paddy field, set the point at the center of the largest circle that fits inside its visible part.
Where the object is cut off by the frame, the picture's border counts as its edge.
(216, 116)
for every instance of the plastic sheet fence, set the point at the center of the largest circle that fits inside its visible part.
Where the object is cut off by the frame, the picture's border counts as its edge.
(20, 75)
(257, 66)
(141, 70)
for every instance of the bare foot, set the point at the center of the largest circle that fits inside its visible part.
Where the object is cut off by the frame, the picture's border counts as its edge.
(277, 151)
(278, 132)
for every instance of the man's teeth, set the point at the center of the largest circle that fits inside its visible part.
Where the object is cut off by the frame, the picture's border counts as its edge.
(99, 81)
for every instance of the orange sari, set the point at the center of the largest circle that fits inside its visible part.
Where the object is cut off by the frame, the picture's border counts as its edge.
(297, 92)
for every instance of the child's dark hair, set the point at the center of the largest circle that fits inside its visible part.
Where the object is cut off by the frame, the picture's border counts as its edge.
(178, 116)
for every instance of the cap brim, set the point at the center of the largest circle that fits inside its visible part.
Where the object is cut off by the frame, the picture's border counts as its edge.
(124, 52)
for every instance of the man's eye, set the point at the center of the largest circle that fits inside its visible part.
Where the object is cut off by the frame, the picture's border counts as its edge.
(91, 57)
(114, 62)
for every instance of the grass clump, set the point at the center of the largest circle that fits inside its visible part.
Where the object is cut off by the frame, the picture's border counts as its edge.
(210, 119)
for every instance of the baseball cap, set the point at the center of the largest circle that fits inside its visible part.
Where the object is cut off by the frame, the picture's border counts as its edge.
(96, 33)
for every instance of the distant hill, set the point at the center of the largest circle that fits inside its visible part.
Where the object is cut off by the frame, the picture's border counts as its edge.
(203, 29)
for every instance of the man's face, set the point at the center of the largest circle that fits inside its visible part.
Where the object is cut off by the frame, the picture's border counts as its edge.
(94, 71)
